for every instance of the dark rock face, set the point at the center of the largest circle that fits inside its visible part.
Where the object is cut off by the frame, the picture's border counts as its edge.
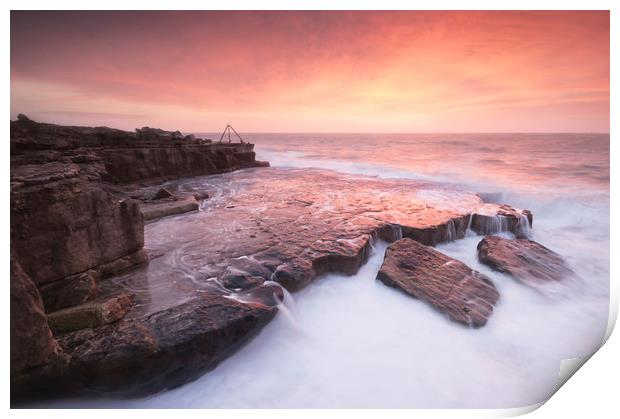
(464, 295)
(525, 260)
(68, 226)
(32, 343)
(163, 350)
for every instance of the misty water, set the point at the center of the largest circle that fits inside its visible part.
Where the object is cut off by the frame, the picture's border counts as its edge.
(350, 341)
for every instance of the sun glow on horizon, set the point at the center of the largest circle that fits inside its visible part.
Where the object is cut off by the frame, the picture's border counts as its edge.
(375, 71)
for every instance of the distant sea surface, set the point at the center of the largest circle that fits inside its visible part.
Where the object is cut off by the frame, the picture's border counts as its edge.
(525, 161)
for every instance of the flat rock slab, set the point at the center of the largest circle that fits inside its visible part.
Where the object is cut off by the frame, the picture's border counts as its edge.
(464, 295)
(285, 225)
(523, 259)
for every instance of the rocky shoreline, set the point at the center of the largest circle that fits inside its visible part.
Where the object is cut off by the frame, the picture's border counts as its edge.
(141, 260)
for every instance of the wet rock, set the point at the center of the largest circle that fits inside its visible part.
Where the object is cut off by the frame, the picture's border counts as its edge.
(296, 274)
(318, 222)
(464, 295)
(496, 218)
(70, 291)
(152, 211)
(90, 315)
(525, 260)
(244, 273)
(341, 255)
(32, 343)
(163, 193)
(161, 351)
(268, 294)
(200, 195)
(452, 229)
(241, 281)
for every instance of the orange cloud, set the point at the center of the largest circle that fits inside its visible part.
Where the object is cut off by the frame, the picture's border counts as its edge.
(315, 71)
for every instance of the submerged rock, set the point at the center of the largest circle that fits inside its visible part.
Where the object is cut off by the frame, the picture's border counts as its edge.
(243, 273)
(523, 259)
(464, 295)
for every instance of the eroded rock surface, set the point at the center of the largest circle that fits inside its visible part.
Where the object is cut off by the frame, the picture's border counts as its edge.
(525, 260)
(464, 295)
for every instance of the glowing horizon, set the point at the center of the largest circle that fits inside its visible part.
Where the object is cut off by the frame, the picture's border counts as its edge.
(355, 72)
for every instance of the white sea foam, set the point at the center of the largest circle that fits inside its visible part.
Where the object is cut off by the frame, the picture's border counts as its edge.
(356, 343)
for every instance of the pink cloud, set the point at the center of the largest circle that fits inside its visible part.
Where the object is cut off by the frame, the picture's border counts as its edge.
(279, 70)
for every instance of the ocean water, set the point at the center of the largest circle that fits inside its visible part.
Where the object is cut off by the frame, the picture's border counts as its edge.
(352, 342)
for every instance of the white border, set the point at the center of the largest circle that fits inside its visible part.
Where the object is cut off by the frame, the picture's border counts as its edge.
(592, 392)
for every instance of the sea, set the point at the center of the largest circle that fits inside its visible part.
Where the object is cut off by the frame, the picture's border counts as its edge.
(351, 342)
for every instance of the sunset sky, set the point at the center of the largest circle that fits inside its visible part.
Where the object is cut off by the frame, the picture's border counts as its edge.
(314, 71)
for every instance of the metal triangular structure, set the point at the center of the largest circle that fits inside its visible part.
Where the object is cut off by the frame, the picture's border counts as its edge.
(228, 130)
